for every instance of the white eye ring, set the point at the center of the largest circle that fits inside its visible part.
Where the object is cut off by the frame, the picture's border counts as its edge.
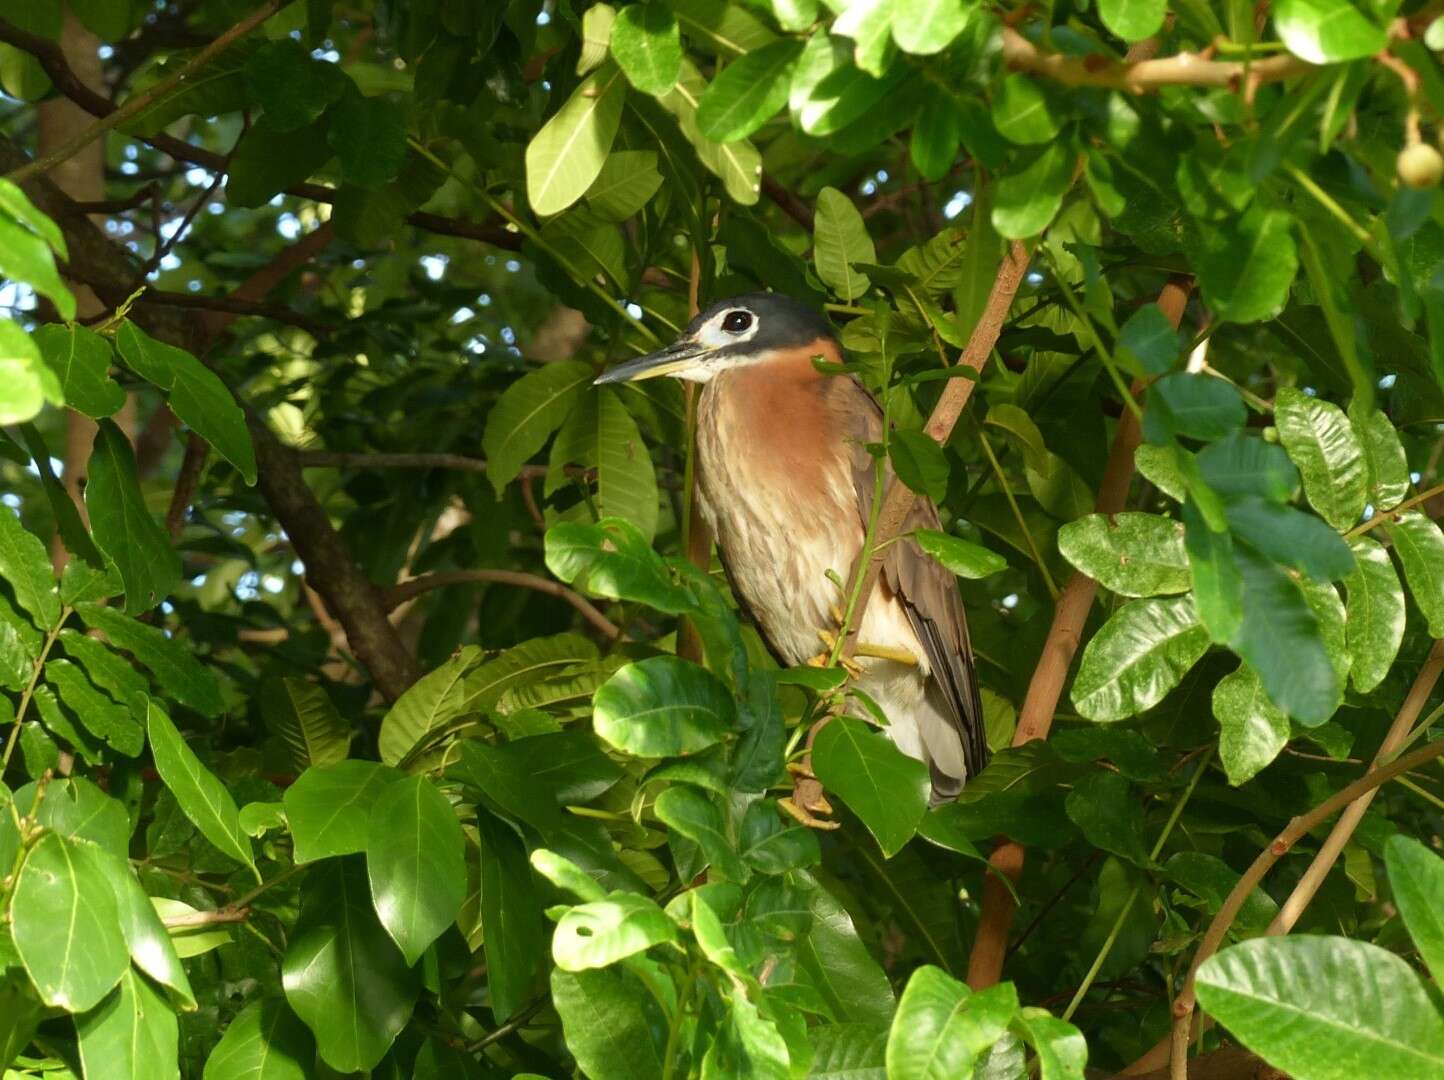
(737, 322)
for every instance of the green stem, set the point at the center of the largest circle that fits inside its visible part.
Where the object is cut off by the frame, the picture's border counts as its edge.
(1103, 354)
(29, 692)
(674, 1028)
(1385, 516)
(864, 561)
(1017, 513)
(1324, 199)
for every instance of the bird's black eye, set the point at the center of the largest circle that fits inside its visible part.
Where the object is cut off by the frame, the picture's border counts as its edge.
(737, 321)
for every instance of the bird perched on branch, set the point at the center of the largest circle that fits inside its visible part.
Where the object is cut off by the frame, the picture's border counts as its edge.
(785, 481)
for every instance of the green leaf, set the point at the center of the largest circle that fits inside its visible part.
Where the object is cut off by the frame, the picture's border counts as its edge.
(1159, 466)
(131, 1035)
(1376, 614)
(920, 463)
(925, 27)
(1384, 458)
(81, 360)
(942, 1028)
(1132, 554)
(102, 717)
(1137, 657)
(1416, 876)
(960, 557)
(1252, 729)
(1028, 199)
(77, 809)
(342, 974)
(687, 811)
(1327, 31)
(177, 670)
(611, 558)
(26, 382)
(647, 46)
(1061, 1049)
(202, 797)
(511, 918)
(266, 162)
(290, 86)
(738, 164)
(195, 393)
(1053, 482)
(264, 1042)
(879, 783)
(26, 258)
(663, 707)
(766, 844)
(599, 933)
(308, 722)
(329, 808)
(189, 941)
(840, 239)
(1330, 457)
(566, 155)
(429, 704)
(839, 965)
(124, 529)
(1151, 339)
(936, 137)
(628, 181)
(26, 566)
(1291, 537)
(1245, 267)
(65, 925)
(527, 413)
(613, 1026)
(1196, 406)
(1211, 880)
(626, 479)
(1242, 465)
(414, 848)
(1133, 20)
(1420, 546)
(1021, 111)
(748, 92)
(1325, 1008)
(1103, 806)
(597, 23)
(369, 136)
(15, 203)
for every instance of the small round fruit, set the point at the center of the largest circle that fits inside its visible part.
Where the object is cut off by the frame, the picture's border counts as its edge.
(1420, 166)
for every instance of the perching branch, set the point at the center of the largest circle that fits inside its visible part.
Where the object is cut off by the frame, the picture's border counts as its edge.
(990, 944)
(137, 103)
(400, 593)
(1142, 76)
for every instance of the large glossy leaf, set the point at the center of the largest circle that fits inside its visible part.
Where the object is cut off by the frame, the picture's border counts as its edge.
(738, 163)
(841, 969)
(292, 87)
(1242, 465)
(1291, 537)
(663, 707)
(961, 557)
(308, 721)
(1195, 406)
(627, 182)
(599, 933)
(1376, 614)
(264, 1042)
(839, 240)
(1132, 554)
(1327, 31)
(611, 558)
(1252, 729)
(1384, 458)
(369, 136)
(526, 414)
(614, 1028)
(880, 784)
(1133, 20)
(26, 566)
(924, 27)
(748, 92)
(1022, 112)
(414, 851)
(1245, 267)
(174, 666)
(1062, 1051)
(1327, 450)
(511, 918)
(81, 360)
(65, 925)
(1420, 545)
(201, 795)
(124, 529)
(1137, 656)
(1416, 875)
(1028, 199)
(687, 811)
(942, 1028)
(151, 949)
(26, 382)
(647, 46)
(195, 393)
(1325, 1008)
(77, 809)
(429, 704)
(626, 478)
(565, 156)
(329, 808)
(1281, 639)
(25, 257)
(114, 724)
(1103, 806)
(131, 1035)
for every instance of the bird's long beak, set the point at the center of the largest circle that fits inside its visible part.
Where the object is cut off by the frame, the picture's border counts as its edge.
(662, 362)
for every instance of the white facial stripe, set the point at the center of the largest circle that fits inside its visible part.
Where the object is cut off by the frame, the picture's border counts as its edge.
(714, 336)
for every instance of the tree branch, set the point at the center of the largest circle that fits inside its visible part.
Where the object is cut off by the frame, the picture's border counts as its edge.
(990, 943)
(400, 593)
(1142, 76)
(138, 102)
(334, 459)
(234, 306)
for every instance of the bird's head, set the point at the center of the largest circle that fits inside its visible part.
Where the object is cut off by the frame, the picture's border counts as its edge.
(747, 329)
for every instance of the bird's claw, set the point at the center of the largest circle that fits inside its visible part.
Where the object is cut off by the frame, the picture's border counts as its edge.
(807, 799)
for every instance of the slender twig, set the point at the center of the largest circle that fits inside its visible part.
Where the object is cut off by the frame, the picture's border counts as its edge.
(407, 590)
(235, 307)
(1383, 517)
(28, 693)
(193, 919)
(1007, 489)
(1296, 830)
(139, 102)
(192, 465)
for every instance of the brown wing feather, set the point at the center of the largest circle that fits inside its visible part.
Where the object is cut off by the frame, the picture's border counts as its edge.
(926, 589)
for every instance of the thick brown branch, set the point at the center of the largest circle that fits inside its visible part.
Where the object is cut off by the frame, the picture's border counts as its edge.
(990, 944)
(407, 590)
(191, 468)
(334, 459)
(790, 204)
(234, 306)
(1142, 76)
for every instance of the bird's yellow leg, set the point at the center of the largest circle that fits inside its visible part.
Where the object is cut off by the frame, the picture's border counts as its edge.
(886, 652)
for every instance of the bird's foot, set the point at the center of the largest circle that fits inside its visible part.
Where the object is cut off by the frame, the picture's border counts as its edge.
(824, 658)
